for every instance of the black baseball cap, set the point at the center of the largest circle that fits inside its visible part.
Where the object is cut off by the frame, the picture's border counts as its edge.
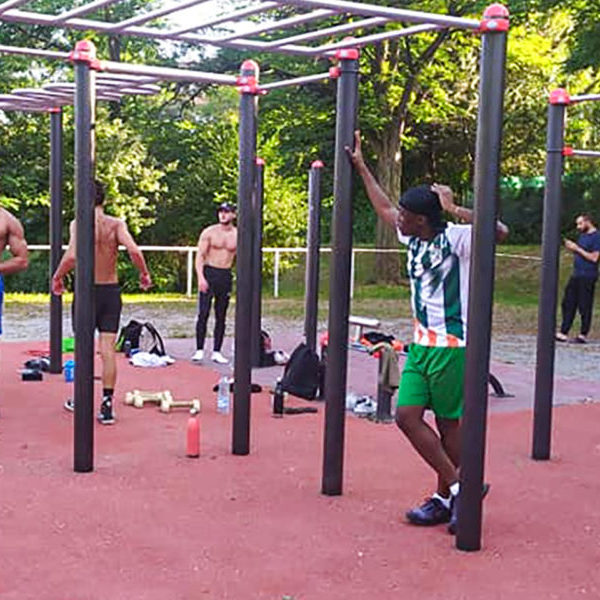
(225, 207)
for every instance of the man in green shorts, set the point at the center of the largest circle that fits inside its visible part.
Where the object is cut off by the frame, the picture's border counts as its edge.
(438, 261)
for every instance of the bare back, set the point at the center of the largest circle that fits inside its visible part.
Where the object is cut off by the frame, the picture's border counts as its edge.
(107, 247)
(12, 235)
(220, 246)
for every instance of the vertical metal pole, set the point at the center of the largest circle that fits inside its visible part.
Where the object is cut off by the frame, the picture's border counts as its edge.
(257, 259)
(313, 235)
(56, 184)
(276, 274)
(189, 273)
(544, 371)
(487, 173)
(352, 272)
(248, 87)
(384, 395)
(339, 280)
(83, 58)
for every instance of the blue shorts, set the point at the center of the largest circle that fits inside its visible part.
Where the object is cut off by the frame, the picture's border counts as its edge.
(1, 300)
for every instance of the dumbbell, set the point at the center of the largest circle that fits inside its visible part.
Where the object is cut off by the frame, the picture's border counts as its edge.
(138, 398)
(167, 405)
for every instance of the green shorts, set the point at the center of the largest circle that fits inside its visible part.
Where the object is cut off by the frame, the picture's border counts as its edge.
(434, 377)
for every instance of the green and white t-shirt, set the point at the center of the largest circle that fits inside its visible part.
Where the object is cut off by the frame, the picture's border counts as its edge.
(439, 283)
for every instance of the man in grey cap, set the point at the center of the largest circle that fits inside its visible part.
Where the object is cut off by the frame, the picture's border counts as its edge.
(438, 261)
(214, 259)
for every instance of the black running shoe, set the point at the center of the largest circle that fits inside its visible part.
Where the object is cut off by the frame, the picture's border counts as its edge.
(454, 508)
(106, 415)
(431, 512)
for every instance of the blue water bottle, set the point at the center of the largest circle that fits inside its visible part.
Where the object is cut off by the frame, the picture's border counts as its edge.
(69, 370)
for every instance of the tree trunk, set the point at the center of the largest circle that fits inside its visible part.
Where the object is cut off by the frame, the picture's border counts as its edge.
(114, 52)
(388, 171)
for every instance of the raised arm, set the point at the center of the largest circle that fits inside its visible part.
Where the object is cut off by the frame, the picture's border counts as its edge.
(383, 206)
(203, 246)
(17, 246)
(125, 238)
(464, 214)
(66, 264)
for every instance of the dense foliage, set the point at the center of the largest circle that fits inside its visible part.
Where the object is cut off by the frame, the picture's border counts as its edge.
(168, 159)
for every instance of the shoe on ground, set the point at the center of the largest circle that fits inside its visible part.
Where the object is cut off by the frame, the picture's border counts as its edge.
(198, 356)
(580, 339)
(219, 358)
(431, 512)
(106, 416)
(69, 405)
(452, 526)
(561, 337)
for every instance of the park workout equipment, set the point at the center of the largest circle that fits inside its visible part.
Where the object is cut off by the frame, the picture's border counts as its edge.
(357, 17)
(556, 151)
(168, 404)
(51, 99)
(138, 398)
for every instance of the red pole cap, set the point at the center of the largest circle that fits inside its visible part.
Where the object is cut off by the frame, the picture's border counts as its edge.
(567, 151)
(334, 72)
(316, 164)
(247, 80)
(559, 96)
(250, 67)
(260, 161)
(54, 109)
(85, 51)
(349, 53)
(495, 18)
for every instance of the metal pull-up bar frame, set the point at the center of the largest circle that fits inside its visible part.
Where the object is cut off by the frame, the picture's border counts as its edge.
(558, 102)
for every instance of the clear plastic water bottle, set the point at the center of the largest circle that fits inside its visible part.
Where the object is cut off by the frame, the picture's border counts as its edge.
(223, 396)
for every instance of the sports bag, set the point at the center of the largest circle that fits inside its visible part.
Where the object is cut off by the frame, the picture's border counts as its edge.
(301, 374)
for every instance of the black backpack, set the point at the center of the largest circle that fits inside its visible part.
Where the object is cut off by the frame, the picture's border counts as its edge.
(301, 374)
(141, 336)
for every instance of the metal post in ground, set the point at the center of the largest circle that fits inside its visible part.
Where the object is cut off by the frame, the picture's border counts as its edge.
(494, 28)
(248, 88)
(84, 57)
(544, 370)
(339, 280)
(56, 184)
(257, 259)
(313, 243)
(384, 395)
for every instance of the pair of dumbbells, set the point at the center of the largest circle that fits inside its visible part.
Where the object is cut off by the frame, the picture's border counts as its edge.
(164, 400)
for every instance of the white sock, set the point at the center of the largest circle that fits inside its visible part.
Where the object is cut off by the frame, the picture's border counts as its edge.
(454, 488)
(444, 501)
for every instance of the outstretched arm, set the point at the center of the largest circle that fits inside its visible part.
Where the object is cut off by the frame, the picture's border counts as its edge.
(203, 246)
(464, 214)
(135, 254)
(66, 264)
(17, 246)
(383, 206)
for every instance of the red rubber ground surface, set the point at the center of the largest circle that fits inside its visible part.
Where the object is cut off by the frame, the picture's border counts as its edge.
(150, 524)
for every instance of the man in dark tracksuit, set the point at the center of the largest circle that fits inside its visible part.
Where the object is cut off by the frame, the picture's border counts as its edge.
(579, 293)
(214, 259)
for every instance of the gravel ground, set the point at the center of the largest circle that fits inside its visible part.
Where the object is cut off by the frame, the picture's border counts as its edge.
(177, 320)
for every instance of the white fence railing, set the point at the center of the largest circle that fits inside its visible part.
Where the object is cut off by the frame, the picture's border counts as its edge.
(277, 252)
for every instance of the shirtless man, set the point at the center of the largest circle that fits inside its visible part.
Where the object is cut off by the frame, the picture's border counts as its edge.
(216, 253)
(110, 232)
(11, 235)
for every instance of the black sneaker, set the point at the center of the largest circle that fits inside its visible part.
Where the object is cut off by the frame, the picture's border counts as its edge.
(454, 508)
(106, 415)
(69, 405)
(431, 512)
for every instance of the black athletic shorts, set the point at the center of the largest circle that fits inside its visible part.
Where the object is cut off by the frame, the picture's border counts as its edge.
(107, 307)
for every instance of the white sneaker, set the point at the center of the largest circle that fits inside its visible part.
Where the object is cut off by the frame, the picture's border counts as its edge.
(219, 358)
(198, 356)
